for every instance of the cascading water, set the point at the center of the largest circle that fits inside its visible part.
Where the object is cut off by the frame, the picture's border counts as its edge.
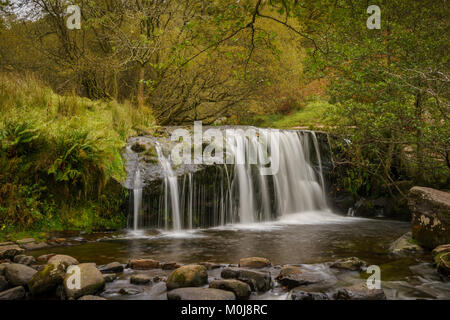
(220, 194)
(170, 186)
(137, 197)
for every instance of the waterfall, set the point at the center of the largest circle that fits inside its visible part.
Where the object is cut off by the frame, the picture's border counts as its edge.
(137, 197)
(170, 186)
(221, 194)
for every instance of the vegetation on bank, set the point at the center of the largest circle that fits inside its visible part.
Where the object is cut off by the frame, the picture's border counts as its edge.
(60, 159)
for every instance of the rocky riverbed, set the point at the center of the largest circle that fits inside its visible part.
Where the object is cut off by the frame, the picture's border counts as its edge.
(300, 262)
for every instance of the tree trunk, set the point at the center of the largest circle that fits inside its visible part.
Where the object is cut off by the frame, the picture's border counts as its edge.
(419, 143)
(140, 97)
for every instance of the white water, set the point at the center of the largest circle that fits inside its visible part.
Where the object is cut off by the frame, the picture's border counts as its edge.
(239, 194)
(170, 186)
(137, 195)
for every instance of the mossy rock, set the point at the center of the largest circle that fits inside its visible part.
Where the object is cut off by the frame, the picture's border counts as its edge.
(188, 276)
(47, 279)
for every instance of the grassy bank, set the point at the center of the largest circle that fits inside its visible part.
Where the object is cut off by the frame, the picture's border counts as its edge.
(311, 116)
(60, 160)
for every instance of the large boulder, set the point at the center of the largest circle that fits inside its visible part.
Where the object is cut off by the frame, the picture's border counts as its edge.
(17, 293)
(430, 210)
(187, 276)
(200, 294)
(144, 264)
(10, 251)
(258, 281)
(405, 245)
(47, 279)
(91, 281)
(239, 288)
(66, 261)
(254, 262)
(18, 274)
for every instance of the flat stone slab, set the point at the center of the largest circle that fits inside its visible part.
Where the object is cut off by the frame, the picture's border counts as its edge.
(200, 294)
(10, 251)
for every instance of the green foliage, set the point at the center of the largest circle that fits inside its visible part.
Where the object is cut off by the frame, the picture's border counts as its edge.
(60, 158)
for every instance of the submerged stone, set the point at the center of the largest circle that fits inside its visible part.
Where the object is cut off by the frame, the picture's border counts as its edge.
(140, 279)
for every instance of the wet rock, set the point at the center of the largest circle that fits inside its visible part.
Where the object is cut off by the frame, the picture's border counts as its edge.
(140, 279)
(210, 265)
(34, 245)
(442, 261)
(109, 277)
(91, 281)
(129, 291)
(2, 268)
(47, 279)
(430, 210)
(18, 274)
(200, 294)
(240, 289)
(113, 267)
(66, 261)
(17, 293)
(187, 276)
(23, 259)
(25, 241)
(3, 284)
(441, 249)
(91, 298)
(292, 276)
(10, 251)
(138, 147)
(308, 296)
(45, 257)
(170, 266)
(405, 245)
(352, 264)
(254, 262)
(144, 264)
(258, 281)
(159, 279)
(359, 292)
